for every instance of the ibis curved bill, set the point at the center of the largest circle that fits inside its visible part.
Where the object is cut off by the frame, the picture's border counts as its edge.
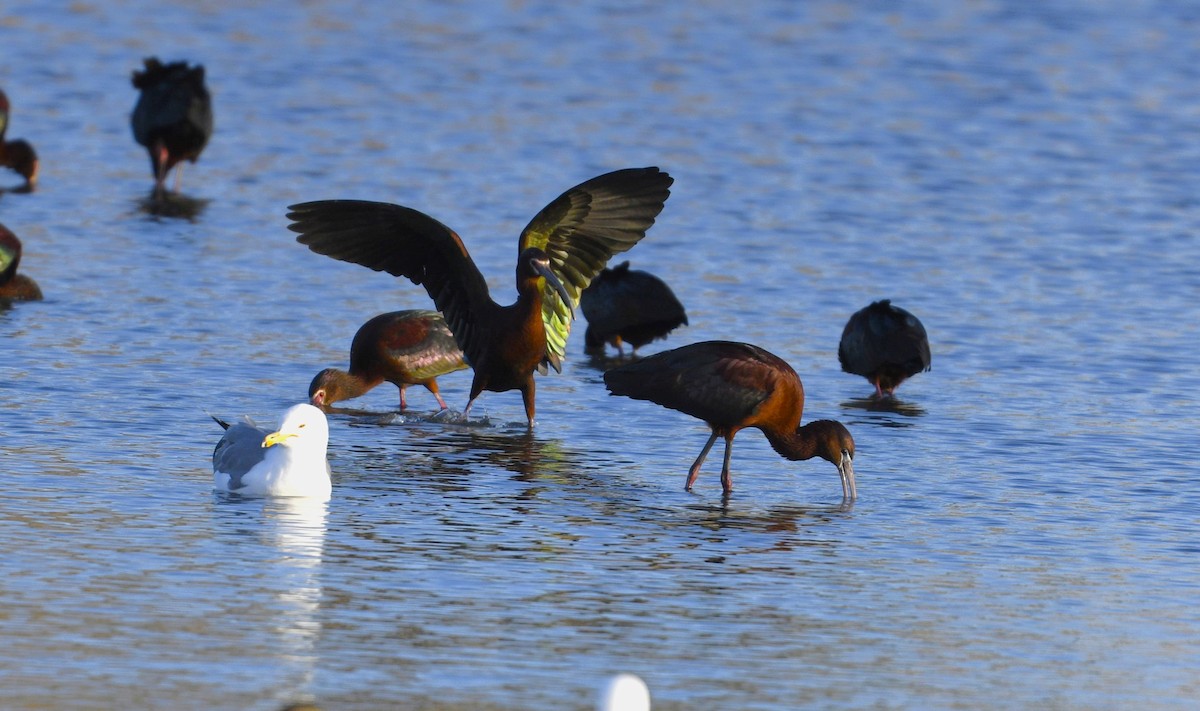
(732, 386)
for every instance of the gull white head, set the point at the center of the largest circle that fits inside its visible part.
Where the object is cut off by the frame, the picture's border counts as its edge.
(624, 692)
(287, 462)
(304, 429)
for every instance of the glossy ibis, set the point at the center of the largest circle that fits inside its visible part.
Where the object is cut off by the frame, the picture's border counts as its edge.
(402, 347)
(17, 155)
(14, 286)
(560, 251)
(287, 462)
(173, 117)
(732, 386)
(885, 344)
(624, 305)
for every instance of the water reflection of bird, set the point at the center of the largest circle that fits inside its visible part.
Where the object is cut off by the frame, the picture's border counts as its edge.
(624, 305)
(561, 250)
(732, 386)
(17, 155)
(402, 347)
(14, 286)
(885, 344)
(173, 116)
(290, 461)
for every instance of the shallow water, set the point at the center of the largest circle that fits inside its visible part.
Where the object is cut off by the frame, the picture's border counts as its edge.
(1021, 178)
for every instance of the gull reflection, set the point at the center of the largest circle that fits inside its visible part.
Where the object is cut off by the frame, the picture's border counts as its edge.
(285, 539)
(296, 527)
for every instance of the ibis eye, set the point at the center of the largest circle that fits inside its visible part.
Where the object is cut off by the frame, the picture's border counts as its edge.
(301, 426)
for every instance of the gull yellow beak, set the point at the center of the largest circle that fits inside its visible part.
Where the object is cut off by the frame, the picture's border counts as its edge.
(277, 438)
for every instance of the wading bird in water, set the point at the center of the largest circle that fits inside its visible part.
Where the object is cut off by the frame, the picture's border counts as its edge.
(402, 347)
(732, 386)
(173, 116)
(291, 461)
(565, 245)
(624, 305)
(886, 345)
(14, 286)
(19, 154)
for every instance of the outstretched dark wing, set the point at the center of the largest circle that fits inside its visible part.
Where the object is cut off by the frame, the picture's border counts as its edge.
(402, 242)
(583, 228)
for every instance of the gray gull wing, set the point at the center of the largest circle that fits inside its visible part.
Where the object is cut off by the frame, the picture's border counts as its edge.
(239, 450)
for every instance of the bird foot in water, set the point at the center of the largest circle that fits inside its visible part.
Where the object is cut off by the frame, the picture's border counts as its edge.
(454, 417)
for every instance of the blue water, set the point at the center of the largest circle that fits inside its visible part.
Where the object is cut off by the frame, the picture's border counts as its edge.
(1021, 176)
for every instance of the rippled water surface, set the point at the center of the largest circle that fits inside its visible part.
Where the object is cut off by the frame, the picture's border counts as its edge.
(1022, 176)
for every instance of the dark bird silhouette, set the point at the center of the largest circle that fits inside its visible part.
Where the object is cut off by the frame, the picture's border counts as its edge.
(403, 348)
(173, 117)
(624, 305)
(732, 386)
(560, 251)
(17, 155)
(13, 286)
(886, 345)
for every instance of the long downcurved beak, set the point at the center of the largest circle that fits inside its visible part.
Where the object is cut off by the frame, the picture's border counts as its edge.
(846, 469)
(277, 438)
(543, 268)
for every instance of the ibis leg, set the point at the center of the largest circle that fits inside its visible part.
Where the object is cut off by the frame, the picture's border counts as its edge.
(527, 394)
(695, 470)
(403, 401)
(726, 477)
(432, 386)
(476, 389)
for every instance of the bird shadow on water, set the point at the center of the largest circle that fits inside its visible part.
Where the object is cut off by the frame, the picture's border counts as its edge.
(18, 190)
(455, 450)
(786, 526)
(888, 405)
(159, 204)
(603, 362)
(531, 460)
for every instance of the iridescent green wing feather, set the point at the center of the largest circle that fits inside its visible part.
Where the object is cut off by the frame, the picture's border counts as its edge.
(10, 254)
(582, 229)
(7, 256)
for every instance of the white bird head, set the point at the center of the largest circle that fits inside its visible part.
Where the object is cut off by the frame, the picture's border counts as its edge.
(303, 427)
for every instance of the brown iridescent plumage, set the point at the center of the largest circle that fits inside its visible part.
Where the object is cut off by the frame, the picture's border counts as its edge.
(565, 245)
(17, 155)
(732, 386)
(403, 348)
(886, 345)
(14, 286)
